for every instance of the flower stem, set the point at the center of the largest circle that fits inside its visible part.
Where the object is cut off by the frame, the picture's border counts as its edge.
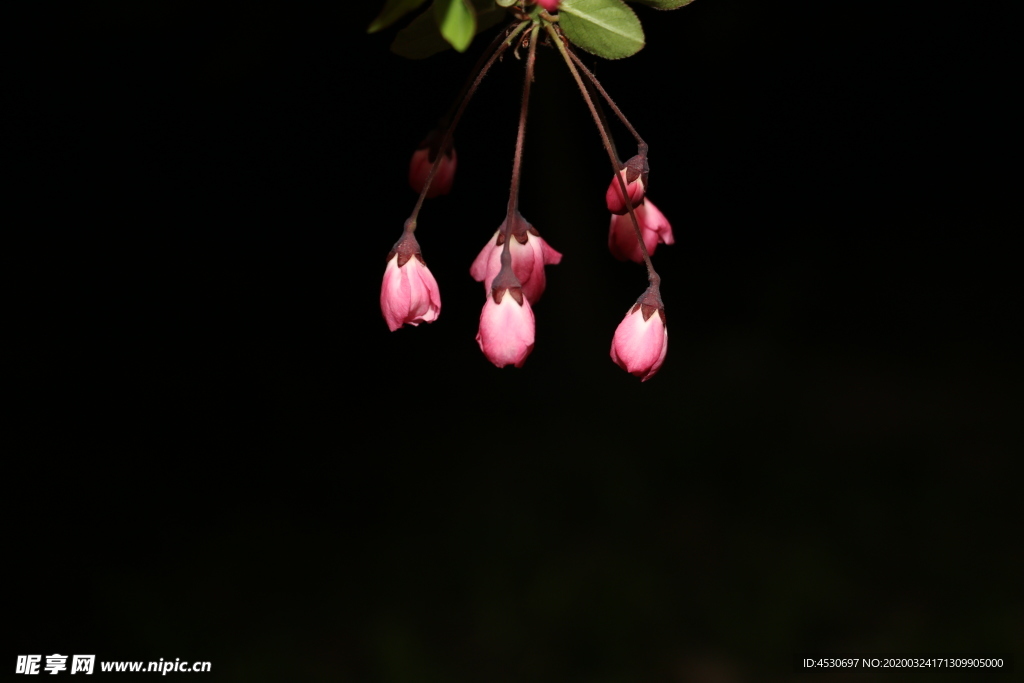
(517, 160)
(652, 275)
(604, 122)
(445, 120)
(410, 223)
(641, 145)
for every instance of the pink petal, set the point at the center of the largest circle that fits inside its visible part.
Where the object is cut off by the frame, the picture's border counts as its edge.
(655, 220)
(654, 227)
(537, 253)
(394, 295)
(622, 239)
(551, 257)
(487, 263)
(425, 297)
(524, 263)
(613, 196)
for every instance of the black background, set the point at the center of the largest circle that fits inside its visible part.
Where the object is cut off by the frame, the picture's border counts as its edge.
(217, 451)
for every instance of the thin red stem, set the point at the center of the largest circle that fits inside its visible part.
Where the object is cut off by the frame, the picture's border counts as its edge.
(652, 275)
(477, 68)
(517, 160)
(410, 223)
(608, 98)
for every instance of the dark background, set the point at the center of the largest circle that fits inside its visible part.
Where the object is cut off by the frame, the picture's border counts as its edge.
(217, 451)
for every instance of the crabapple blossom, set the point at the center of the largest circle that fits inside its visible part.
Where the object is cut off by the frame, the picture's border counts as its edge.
(654, 228)
(419, 170)
(409, 293)
(634, 175)
(641, 341)
(530, 253)
(507, 326)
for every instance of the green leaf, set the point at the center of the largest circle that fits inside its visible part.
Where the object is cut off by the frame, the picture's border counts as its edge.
(420, 39)
(606, 28)
(457, 22)
(663, 4)
(392, 12)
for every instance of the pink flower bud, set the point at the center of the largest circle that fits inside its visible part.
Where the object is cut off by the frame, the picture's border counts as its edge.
(419, 169)
(634, 174)
(654, 227)
(549, 5)
(506, 328)
(530, 253)
(641, 341)
(613, 197)
(409, 294)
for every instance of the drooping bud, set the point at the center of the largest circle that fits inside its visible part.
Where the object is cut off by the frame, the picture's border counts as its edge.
(530, 253)
(641, 339)
(409, 294)
(654, 228)
(507, 325)
(423, 158)
(506, 334)
(635, 174)
(549, 5)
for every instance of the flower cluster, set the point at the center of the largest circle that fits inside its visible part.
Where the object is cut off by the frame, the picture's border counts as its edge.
(511, 265)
